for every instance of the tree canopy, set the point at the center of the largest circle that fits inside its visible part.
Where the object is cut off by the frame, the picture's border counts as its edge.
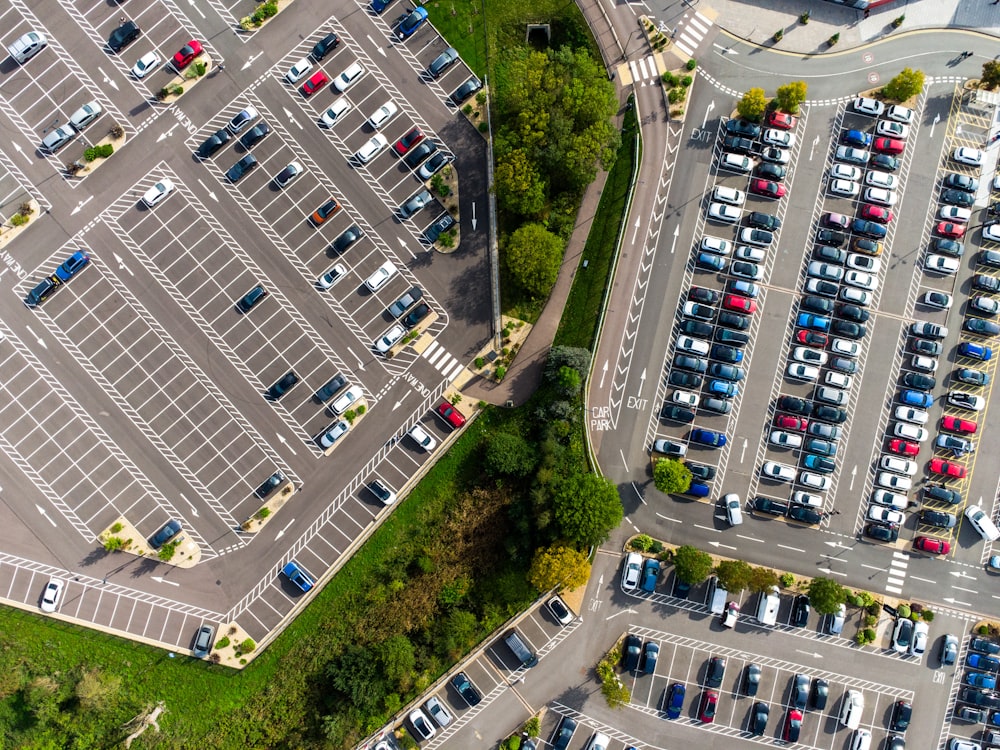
(671, 476)
(991, 74)
(509, 455)
(761, 579)
(908, 83)
(586, 508)
(751, 106)
(826, 595)
(790, 96)
(533, 255)
(559, 566)
(734, 575)
(691, 564)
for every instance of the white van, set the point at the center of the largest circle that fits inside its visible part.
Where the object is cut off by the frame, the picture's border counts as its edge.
(767, 607)
(733, 197)
(854, 706)
(717, 597)
(982, 523)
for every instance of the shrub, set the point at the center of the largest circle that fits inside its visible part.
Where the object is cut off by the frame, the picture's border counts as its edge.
(114, 543)
(480, 362)
(656, 547)
(779, 34)
(350, 415)
(484, 127)
(116, 527)
(18, 220)
(687, 81)
(669, 78)
(804, 18)
(691, 64)
(362, 409)
(200, 68)
(105, 150)
(870, 621)
(642, 543)
(833, 39)
(166, 552)
(467, 109)
(263, 513)
(222, 643)
(501, 371)
(90, 153)
(786, 580)
(927, 615)
(675, 95)
(533, 726)
(246, 646)
(903, 610)
(983, 630)
(481, 98)
(898, 21)
(869, 635)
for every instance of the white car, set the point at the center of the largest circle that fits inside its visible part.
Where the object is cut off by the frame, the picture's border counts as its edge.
(351, 75)
(807, 498)
(686, 398)
(632, 571)
(861, 280)
(939, 300)
(890, 499)
(383, 114)
(424, 728)
(334, 113)
(799, 371)
(844, 188)
(345, 400)
(751, 254)
(332, 435)
(845, 172)
(689, 309)
(809, 355)
(52, 595)
(985, 305)
(910, 432)
(826, 271)
(971, 156)
(778, 472)
(845, 347)
(815, 481)
(880, 196)
(724, 213)
(867, 106)
(833, 396)
(941, 264)
(754, 236)
(892, 129)
(919, 644)
(900, 113)
(899, 465)
(438, 712)
(382, 274)
(882, 180)
(991, 232)
(893, 482)
(145, 64)
(298, 71)
(902, 635)
(736, 162)
(855, 296)
(733, 197)
(158, 192)
(421, 438)
(389, 339)
(371, 148)
(784, 439)
(911, 415)
(920, 362)
(838, 380)
(779, 138)
(966, 401)
(599, 741)
(85, 115)
(693, 345)
(716, 245)
(332, 276)
(955, 213)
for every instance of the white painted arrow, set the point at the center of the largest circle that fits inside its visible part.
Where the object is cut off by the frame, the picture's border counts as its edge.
(635, 232)
(250, 60)
(951, 600)
(284, 529)
(161, 579)
(935, 121)
(37, 338)
(193, 511)
(291, 117)
(744, 451)
(80, 205)
(110, 81)
(642, 382)
(677, 233)
(474, 216)
(211, 194)
(44, 514)
(404, 245)
(191, 3)
(962, 574)
(720, 544)
(281, 439)
(121, 264)
(17, 147)
(810, 653)
(812, 150)
(170, 132)
(708, 111)
(377, 46)
(604, 372)
(854, 473)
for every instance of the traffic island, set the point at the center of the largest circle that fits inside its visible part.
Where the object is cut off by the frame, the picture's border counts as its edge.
(492, 363)
(94, 156)
(182, 83)
(121, 536)
(266, 512)
(233, 647)
(444, 187)
(411, 336)
(26, 215)
(350, 418)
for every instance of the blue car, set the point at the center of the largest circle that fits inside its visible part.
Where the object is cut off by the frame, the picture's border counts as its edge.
(916, 398)
(380, 5)
(411, 22)
(675, 700)
(722, 388)
(857, 138)
(975, 351)
(981, 680)
(73, 265)
(650, 574)
(296, 575)
(979, 661)
(813, 322)
(822, 464)
(169, 531)
(708, 437)
(869, 228)
(711, 262)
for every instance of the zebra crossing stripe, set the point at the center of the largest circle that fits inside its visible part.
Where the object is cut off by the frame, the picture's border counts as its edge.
(430, 347)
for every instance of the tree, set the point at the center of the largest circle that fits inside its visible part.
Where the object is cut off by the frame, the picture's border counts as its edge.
(762, 579)
(734, 575)
(586, 507)
(508, 454)
(991, 74)
(752, 105)
(566, 356)
(907, 84)
(671, 476)
(826, 595)
(790, 96)
(691, 564)
(398, 659)
(532, 255)
(519, 188)
(559, 566)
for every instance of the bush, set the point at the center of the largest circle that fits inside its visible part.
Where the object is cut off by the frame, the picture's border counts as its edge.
(669, 79)
(508, 454)
(804, 18)
(903, 610)
(675, 95)
(927, 615)
(116, 527)
(500, 373)
(870, 621)
(779, 34)
(246, 646)
(671, 476)
(533, 726)
(869, 635)
(642, 543)
(687, 81)
(484, 127)
(786, 580)
(833, 39)
(480, 362)
(222, 643)
(467, 109)
(105, 150)
(751, 106)
(983, 630)
(691, 64)
(18, 220)
(116, 131)
(114, 543)
(898, 21)
(263, 513)
(167, 551)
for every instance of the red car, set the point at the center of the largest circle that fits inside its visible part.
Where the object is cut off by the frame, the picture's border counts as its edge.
(903, 447)
(961, 426)
(317, 81)
(888, 146)
(811, 338)
(767, 188)
(408, 141)
(932, 545)
(739, 304)
(451, 415)
(780, 120)
(948, 229)
(709, 702)
(186, 54)
(793, 725)
(788, 422)
(876, 213)
(947, 468)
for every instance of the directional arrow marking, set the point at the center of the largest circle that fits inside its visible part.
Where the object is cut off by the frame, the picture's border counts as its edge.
(604, 372)
(473, 216)
(284, 529)
(161, 579)
(44, 514)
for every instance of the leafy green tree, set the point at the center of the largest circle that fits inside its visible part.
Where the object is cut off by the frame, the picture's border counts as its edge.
(458, 633)
(566, 356)
(671, 476)
(908, 83)
(569, 380)
(357, 676)
(508, 454)
(398, 659)
(790, 96)
(519, 188)
(559, 566)
(991, 74)
(762, 579)
(734, 575)
(691, 564)
(586, 507)
(532, 255)
(752, 104)
(826, 595)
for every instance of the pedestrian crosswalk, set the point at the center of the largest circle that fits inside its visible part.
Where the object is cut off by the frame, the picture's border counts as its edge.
(443, 362)
(642, 69)
(690, 32)
(897, 572)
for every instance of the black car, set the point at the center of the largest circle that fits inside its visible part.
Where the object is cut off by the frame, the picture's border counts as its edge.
(800, 613)
(812, 303)
(283, 385)
(236, 172)
(737, 144)
(705, 296)
(919, 381)
(800, 692)
(417, 314)
(701, 471)
(649, 654)
(466, 689)
(769, 506)
(957, 198)
(803, 514)
(734, 338)
(420, 152)
(986, 283)
(715, 672)
(123, 36)
(676, 413)
(42, 291)
(631, 651)
(926, 347)
(563, 734)
(832, 414)
(742, 127)
(882, 533)
(247, 301)
(466, 90)
(758, 719)
(984, 646)
(323, 47)
(255, 135)
(762, 220)
(770, 171)
(213, 143)
(976, 697)
(693, 364)
(981, 327)
(334, 386)
(795, 405)
(830, 254)
(438, 228)
(831, 237)
(683, 379)
(853, 312)
(270, 484)
(972, 377)
(169, 531)
(848, 329)
(884, 161)
(696, 328)
(961, 182)
(347, 238)
(868, 228)
(843, 364)
(901, 713)
(751, 679)
(820, 694)
(735, 320)
(726, 353)
(941, 494)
